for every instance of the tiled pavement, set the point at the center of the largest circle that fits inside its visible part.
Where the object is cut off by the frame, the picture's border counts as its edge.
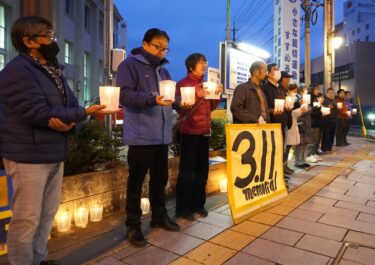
(330, 204)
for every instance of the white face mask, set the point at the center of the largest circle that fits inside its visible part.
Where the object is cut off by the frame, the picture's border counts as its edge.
(277, 75)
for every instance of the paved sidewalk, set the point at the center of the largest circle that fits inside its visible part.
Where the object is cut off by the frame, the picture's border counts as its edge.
(330, 206)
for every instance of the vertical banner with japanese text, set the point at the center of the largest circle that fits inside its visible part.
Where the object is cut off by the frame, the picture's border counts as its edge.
(287, 36)
(254, 167)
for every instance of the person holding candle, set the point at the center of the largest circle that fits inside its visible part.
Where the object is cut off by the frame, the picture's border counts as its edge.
(147, 129)
(195, 130)
(37, 112)
(342, 118)
(329, 121)
(249, 104)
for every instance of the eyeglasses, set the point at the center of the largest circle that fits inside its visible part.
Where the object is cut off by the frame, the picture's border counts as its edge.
(53, 37)
(203, 63)
(159, 48)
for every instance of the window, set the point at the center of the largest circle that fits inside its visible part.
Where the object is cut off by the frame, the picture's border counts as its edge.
(101, 30)
(2, 61)
(367, 26)
(68, 52)
(358, 30)
(367, 38)
(87, 18)
(101, 72)
(69, 8)
(2, 27)
(86, 76)
(353, 32)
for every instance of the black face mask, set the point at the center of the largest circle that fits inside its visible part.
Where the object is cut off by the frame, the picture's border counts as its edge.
(49, 51)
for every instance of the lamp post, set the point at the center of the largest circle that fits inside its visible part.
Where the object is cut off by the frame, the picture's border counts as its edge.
(329, 55)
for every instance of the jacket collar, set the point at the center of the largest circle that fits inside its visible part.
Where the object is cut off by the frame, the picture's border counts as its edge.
(144, 57)
(36, 63)
(195, 77)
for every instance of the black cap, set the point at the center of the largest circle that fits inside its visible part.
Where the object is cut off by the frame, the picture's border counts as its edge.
(285, 75)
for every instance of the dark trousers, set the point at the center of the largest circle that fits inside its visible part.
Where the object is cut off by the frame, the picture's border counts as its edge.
(329, 127)
(341, 131)
(193, 174)
(346, 129)
(140, 160)
(286, 153)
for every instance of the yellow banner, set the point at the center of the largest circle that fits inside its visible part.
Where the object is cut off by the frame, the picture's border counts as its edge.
(3, 191)
(254, 167)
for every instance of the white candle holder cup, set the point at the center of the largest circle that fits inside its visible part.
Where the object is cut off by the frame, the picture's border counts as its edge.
(211, 89)
(96, 212)
(279, 104)
(64, 221)
(339, 105)
(81, 217)
(223, 185)
(307, 99)
(145, 205)
(167, 89)
(354, 111)
(109, 96)
(316, 104)
(188, 95)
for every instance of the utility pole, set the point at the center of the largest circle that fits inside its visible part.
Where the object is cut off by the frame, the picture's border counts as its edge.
(108, 45)
(228, 22)
(307, 9)
(329, 67)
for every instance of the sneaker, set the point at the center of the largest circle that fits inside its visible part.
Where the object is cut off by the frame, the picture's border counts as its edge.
(185, 214)
(136, 237)
(320, 152)
(202, 212)
(165, 223)
(311, 159)
(318, 157)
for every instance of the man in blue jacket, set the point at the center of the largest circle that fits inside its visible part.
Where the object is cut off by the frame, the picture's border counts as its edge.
(37, 111)
(147, 131)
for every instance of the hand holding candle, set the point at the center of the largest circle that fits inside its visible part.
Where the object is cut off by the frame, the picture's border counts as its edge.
(167, 90)
(109, 96)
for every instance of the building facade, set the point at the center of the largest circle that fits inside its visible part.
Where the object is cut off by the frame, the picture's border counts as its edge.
(79, 26)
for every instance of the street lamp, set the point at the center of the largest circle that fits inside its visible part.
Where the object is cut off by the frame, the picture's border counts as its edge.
(337, 41)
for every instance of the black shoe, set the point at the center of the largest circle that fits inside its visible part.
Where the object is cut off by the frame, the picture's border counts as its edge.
(306, 165)
(202, 212)
(320, 152)
(49, 262)
(136, 237)
(185, 214)
(299, 166)
(165, 223)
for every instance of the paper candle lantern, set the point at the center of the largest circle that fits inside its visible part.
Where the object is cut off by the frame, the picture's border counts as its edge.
(223, 185)
(316, 104)
(96, 212)
(109, 96)
(145, 205)
(307, 98)
(64, 221)
(339, 105)
(354, 111)
(289, 101)
(167, 89)
(279, 104)
(81, 217)
(188, 95)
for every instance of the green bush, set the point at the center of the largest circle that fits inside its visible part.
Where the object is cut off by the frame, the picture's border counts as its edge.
(89, 146)
(217, 140)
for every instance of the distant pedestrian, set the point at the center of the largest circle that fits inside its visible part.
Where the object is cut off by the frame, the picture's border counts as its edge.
(329, 121)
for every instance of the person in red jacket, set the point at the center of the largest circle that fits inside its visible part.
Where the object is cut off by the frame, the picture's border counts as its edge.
(343, 117)
(195, 130)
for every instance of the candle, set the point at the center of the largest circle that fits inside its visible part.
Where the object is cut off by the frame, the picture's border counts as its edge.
(354, 111)
(167, 89)
(289, 101)
(279, 104)
(316, 104)
(349, 113)
(81, 217)
(96, 212)
(223, 185)
(188, 95)
(109, 96)
(325, 111)
(64, 221)
(307, 98)
(211, 88)
(145, 205)
(339, 105)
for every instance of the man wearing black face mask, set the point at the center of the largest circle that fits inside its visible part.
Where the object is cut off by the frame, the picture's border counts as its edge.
(37, 111)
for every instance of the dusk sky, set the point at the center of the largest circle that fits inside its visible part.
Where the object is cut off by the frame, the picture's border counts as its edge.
(199, 26)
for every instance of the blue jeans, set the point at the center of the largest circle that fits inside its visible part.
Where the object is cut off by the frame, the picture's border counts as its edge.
(35, 201)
